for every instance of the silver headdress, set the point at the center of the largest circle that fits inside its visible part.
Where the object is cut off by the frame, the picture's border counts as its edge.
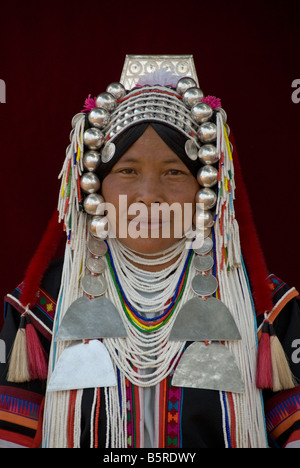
(163, 89)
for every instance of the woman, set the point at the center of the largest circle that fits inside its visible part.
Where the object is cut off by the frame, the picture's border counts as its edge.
(154, 340)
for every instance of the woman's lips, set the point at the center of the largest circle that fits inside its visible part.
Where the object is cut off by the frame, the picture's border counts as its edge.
(147, 224)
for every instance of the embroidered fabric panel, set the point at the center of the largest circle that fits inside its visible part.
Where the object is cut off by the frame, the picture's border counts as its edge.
(283, 416)
(44, 308)
(19, 414)
(173, 419)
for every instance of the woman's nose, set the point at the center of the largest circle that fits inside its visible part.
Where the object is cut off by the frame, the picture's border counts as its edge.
(150, 190)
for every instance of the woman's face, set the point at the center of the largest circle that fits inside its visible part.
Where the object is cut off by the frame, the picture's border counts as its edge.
(152, 176)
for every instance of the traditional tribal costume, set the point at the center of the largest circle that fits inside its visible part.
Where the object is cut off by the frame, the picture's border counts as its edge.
(102, 353)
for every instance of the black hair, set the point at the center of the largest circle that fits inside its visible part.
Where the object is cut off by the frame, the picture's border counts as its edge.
(174, 139)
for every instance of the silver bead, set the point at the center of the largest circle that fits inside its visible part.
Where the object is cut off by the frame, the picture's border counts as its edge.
(207, 176)
(91, 160)
(99, 117)
(94, 204)
(203, 219)
(99, 227)
(207, 132)
(89, 183)
(93, 138)
(184, 84)
(201, 112)
(207, 198)
(208, 154)
(192, 96)
(107, 101)
(117, 90)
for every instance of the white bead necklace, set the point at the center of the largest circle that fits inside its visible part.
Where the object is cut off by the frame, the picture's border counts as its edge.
(150, 351)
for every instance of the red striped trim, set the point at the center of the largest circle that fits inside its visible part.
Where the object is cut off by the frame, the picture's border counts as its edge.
(148, 91)
(232, 420)
(97, 418)
(71, 416)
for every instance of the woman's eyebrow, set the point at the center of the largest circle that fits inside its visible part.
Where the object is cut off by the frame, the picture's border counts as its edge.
(139, 160)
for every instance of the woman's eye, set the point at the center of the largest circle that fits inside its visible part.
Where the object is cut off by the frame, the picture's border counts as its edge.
(127, 171)
(174, 172)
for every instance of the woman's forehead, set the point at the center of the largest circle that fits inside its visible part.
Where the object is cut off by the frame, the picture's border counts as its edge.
(151, 145)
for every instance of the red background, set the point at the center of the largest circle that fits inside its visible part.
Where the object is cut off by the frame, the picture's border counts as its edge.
(54, 54)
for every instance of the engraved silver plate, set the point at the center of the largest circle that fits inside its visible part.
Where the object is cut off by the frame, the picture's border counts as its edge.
(204, 320)
(97, 246)
(95, 265)
(203, 262)
(83, 365)
(191, 149)
(136, 66)
(90, 319)
(204, 285)
(108, 152)
(94, 285)
(209, 367)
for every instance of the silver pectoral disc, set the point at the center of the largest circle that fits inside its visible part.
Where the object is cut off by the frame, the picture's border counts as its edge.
(97, 246)
(204, 285)
(83, 365)
(204, 320)
(211, 367)
(94, 285)
(203, 262)
(91, 319)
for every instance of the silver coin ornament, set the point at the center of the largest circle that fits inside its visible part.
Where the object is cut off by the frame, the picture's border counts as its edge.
(203, 263)
(192, 96)
(96, 247)
(204, 285)
(201, 112)
(117, 90)
(207, 198)
(108, 152)
(94, 204)
(206, 247)
(184, 84)
(107, 101)
(89, 182)
(93, 138)
(95, 265)
(207, 176)
(99, 117)
(94, 286)
(91, 160)
(207, 132)
(208, 154)
(191, 149)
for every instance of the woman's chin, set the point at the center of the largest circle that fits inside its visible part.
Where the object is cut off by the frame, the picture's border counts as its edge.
(148, 245)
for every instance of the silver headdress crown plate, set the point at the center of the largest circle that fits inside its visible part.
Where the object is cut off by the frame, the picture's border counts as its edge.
(137, 66)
